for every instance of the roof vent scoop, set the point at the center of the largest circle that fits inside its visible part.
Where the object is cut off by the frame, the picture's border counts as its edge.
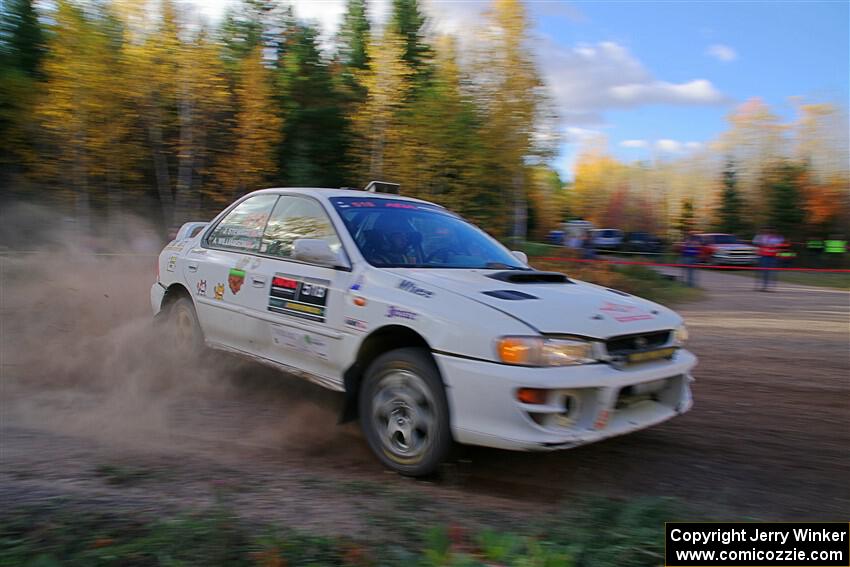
(509, 294)
(530, 277)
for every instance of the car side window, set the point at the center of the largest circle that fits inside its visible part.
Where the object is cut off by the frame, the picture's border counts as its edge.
(242, 229)
(294, 218)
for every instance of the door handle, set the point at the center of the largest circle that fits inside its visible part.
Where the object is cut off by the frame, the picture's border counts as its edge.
(258, 281)
(192, 267)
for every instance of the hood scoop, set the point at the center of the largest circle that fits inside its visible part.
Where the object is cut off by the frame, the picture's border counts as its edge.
(509, 294)
(530, 277)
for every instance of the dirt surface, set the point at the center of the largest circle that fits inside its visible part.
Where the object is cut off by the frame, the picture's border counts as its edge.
(94, 411)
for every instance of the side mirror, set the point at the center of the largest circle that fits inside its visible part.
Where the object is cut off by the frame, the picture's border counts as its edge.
(315, 251)
(521, 256)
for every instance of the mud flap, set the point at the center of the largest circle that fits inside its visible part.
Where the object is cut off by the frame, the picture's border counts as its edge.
(351, 379)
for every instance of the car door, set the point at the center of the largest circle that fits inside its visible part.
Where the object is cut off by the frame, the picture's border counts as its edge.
(221, 273)
(302, 306)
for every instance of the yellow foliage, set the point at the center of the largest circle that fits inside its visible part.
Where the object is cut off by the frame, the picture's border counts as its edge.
(257, 130)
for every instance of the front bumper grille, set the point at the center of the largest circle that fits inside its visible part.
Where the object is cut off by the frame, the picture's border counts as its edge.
(641, 342)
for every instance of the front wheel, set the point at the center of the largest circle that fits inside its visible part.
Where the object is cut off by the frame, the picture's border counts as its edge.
(404, 413)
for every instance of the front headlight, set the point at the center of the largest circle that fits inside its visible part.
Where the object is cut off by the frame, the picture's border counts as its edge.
(681, 336)
(537, 351)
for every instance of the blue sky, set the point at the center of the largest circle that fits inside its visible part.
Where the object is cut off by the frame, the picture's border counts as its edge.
(772, 50)
(658, 79)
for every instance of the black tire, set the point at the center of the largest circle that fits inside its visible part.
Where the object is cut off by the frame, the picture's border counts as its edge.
(404, 413)
(184, 331)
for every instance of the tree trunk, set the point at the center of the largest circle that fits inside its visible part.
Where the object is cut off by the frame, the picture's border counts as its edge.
(520, 208)
(185, 160)
(160, 163)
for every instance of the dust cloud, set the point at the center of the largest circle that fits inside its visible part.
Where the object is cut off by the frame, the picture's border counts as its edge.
(79, 354)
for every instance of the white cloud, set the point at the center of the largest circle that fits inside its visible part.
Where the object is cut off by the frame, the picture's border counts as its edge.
(668, 146)
(574, 134)
(588, 79)
(721, 52)
(675, 146)
(633, 143)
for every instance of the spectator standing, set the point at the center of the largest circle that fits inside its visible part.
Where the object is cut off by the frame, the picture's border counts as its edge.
(587, 250)
(691, 250)
(768, 242)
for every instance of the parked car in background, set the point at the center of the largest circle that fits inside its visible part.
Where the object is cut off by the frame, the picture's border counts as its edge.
(643, 242)
(721, 248)
(575, 231)
(607, 238)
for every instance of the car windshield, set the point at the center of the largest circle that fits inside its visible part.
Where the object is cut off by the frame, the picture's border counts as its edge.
(394, 233)
(724, 239)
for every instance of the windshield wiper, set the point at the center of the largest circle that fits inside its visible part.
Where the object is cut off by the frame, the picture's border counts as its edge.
(502, 266)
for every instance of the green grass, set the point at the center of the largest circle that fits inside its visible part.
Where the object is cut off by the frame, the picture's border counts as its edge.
(589, 533)
(649, 284)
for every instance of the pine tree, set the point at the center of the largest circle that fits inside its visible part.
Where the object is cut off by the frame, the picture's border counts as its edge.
(785, 198)
(354, 36)
(686, 222)
(408, 21)
(21, 53)
(731, 204)
(315, 129)
(22, 39)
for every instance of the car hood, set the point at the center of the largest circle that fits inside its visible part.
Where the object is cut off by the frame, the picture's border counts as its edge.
(575, 308)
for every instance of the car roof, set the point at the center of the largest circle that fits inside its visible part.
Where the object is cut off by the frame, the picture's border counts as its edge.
(330, 193)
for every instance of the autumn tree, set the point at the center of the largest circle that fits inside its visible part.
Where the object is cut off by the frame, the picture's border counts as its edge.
(377, 122)
(510, 93)
(82, 108)
(256, 129)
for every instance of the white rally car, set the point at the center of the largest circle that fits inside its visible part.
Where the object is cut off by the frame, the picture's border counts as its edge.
(434, 331)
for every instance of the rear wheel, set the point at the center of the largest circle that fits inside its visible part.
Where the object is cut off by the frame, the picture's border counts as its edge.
(186, 334)
(404, 413)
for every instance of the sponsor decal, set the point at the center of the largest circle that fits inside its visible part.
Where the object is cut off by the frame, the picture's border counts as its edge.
(218, 291)
(624, 313)
(358, 283)
(256, 263)
(306, 298)
(172, 263)
(411, 287)
(239, 242)
(301, 341)
(235, 279)
(202, 287)
(398, 313)
(356, 324)
(243, 262)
